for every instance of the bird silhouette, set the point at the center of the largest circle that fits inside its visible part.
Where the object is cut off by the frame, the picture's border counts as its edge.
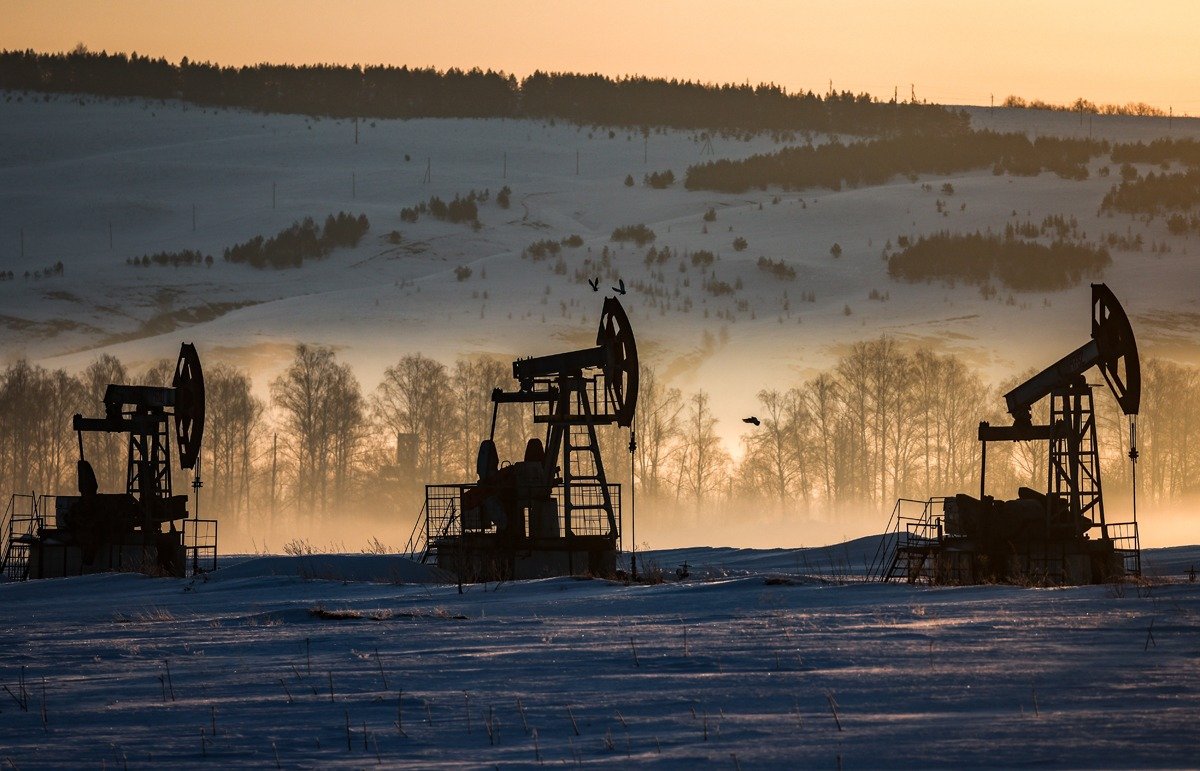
(594, 283)
(752, 420)
(620, 289)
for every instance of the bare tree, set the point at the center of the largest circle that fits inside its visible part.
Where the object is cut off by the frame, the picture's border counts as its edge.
(471, 387)
(822, 401)
(774, 456)
(703, 463)
(161, 374)
(347, 425)
(21, 393)
(656, 424)
(322, 414)
(234, 427)
(414, 398)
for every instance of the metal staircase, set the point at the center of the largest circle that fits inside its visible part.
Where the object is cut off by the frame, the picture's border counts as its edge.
(906, 551)
(19, 525)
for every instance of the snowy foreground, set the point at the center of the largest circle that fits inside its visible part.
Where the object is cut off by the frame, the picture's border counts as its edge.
(758, 660)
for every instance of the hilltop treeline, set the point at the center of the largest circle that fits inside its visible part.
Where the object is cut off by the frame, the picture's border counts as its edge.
(638, 101)
(836, 164)
(979, 258)
(854, 434)
(1081, 105)
(403, 92)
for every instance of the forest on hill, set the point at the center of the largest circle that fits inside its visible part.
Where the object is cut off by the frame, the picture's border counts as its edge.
(836, 164)
(402, 92)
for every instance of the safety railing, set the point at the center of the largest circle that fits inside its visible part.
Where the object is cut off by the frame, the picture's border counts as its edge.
(20, 524)
(417, 539)
(443, 512)
(1127, 545)
(913, 524)
(200, 546)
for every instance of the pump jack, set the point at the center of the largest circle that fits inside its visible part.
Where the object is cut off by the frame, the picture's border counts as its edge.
(1062, 535)
(97, 531)
(507, 524)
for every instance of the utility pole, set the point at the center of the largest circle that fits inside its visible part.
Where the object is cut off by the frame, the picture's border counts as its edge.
(632, 505)
(428, 171)
(274, 448)
(356, 129)
(912, 99)
(197, 484)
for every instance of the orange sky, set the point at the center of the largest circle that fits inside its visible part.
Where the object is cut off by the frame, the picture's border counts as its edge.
(954, 51)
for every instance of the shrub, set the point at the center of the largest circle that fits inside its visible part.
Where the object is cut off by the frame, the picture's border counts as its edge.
(628, 180)
(462, 272)
(703, 258)
(504, 196)
(540, 250)
(574, 241)
(740, 244)
(462, 210)
(778, 269)
(710, 215)
(717, 287)
(836, 250)
(639, 234)
(185, 257)
(660, 180)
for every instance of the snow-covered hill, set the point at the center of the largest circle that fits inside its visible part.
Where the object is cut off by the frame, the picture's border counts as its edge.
(72, 171)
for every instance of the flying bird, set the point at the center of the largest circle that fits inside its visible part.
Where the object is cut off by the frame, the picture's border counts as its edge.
(594, 283)
(752, 420)
(620, 289)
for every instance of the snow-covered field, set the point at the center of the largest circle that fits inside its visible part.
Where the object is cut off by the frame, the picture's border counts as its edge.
(760, 660)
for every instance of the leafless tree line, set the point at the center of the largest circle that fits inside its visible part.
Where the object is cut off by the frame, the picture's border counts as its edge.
(884, 423)
(881, 424)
